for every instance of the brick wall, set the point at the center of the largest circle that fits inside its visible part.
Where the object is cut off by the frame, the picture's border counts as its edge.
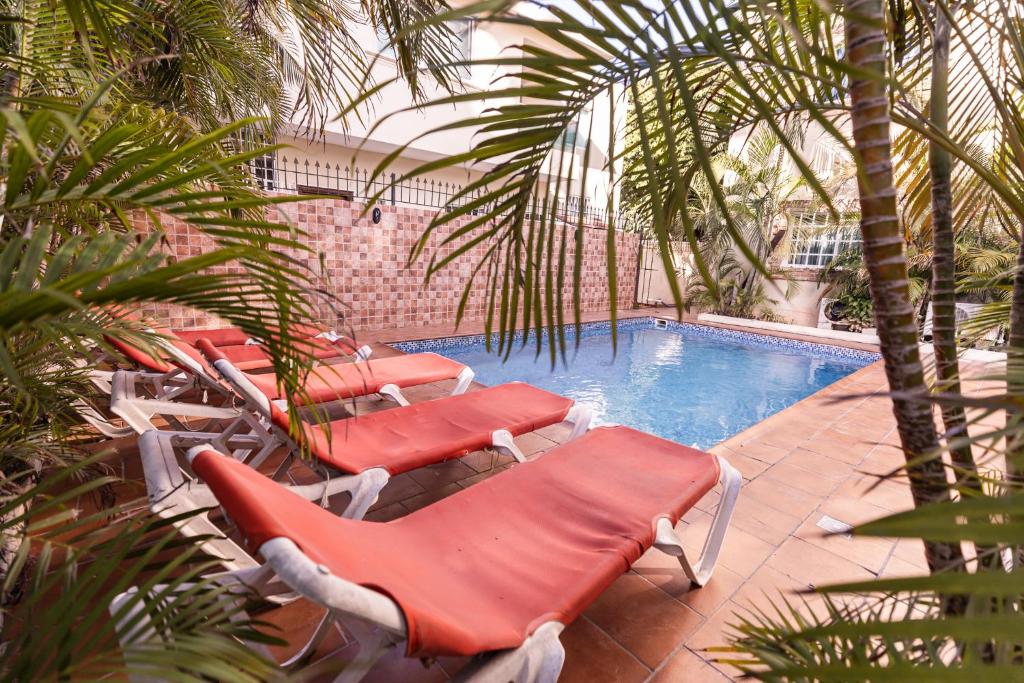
(366, 267)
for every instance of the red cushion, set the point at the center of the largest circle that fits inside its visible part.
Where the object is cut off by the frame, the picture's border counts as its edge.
(138, 356)
(193, 353)
(225, 336)
(405, 438)
(255, 356)
(481, 569)
(349, 380)
(306, 335)
(246, 356)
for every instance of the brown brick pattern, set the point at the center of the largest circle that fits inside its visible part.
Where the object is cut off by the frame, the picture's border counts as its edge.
(364, 267)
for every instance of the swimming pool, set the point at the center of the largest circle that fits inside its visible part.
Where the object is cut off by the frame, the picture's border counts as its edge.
(693, 384)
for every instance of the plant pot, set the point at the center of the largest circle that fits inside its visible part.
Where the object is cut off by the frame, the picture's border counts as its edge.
(841, 326)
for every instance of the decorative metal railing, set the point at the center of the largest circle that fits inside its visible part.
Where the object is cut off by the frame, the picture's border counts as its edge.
(281, 173)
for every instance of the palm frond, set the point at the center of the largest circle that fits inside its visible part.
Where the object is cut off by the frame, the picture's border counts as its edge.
(71, 562)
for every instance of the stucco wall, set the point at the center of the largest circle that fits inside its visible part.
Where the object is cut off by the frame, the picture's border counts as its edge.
(365, 268)
(391, 118)
(801, 308)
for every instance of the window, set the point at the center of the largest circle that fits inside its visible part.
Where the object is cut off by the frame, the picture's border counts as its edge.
(815, 239)
(264, 170)
(825, 160)
(575, 134)
(384, 46)
(463, 30)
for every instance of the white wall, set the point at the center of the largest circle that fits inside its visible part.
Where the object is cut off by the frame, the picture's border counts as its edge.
(802, 306)
(655, 287)
(394, 121)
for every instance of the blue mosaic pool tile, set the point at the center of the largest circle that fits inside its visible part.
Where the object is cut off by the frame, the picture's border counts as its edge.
(587, 329)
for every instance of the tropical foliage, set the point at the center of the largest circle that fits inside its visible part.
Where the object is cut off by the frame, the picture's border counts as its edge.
(117, 119)
(702, 73)
(113, 120)
(758, 185)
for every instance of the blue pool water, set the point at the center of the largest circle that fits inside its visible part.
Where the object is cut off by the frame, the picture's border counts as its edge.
(693, 384)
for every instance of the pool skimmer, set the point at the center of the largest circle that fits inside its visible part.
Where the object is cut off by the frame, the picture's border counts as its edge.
(834, 526)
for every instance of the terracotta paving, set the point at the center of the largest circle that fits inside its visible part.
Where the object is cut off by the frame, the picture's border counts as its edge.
(818, 457)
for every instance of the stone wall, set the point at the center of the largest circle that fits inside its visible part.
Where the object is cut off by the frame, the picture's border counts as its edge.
(364, 267)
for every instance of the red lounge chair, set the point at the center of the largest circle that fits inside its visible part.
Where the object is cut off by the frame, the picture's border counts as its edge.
(384, 376)
(243, 350)
(356, 455)
(137, 405)
(497, 569)
(249, 354)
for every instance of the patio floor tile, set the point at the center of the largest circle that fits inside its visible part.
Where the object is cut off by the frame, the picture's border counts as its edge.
(686, 667)
(395, 666)
(743, 552)
(766, 588)
(782, 497)
(483, 461)
(758, 449)
(814, 566)
(763, 521)
(715, 631)
(643, 618)
(665, 572)
(891, 495)
(817, 462)
(431, 496)
(443, 473)
(591, 656)
(398, 488)
(870, 553)
(819, 483)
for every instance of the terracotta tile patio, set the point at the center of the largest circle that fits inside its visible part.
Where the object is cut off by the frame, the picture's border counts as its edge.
(814, 458)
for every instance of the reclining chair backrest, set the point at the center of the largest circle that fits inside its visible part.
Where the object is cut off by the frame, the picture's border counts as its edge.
(186, 357)
(239, 381)
(215, 358)
(225, 336)
(138, 355)
(174, 353)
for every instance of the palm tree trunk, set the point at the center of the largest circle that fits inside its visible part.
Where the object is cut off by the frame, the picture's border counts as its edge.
(947, 366)
(887, 266)
(1015, 374)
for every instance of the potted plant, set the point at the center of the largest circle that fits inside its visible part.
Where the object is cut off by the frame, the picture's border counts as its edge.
(858, 312)
(835, 312)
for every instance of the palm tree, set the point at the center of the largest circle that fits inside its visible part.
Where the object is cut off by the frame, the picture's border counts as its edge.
(703, 72)
(214, 62)
(703, 81)
(113, 117)
(887, 266)
(944, 328)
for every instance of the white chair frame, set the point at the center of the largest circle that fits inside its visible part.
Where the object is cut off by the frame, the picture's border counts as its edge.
(377, 622)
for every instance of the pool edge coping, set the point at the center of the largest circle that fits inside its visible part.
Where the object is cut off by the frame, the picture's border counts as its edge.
(826, 349)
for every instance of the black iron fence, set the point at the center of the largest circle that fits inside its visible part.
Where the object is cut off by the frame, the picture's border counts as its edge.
(302, 176)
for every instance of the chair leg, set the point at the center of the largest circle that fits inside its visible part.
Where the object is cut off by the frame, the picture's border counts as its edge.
(464, 379)
(394, 393)
(138, 412)
(501, 441)
(99, 422)
(538, 660)
(373, 644)
(327, 622)
(667, 541)
(368, 487)
(581, 418)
